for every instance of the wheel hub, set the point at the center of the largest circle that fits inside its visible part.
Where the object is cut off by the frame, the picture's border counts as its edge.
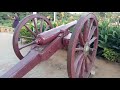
(86, 49)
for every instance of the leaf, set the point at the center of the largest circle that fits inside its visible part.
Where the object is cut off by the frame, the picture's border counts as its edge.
(100, 41)
(101, 46)
(106, 37)
(116, 47)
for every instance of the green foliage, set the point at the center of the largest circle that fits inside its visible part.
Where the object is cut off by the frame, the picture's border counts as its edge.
(6, 21)
(51, 14)
(103, 34)
(26, 33)
(109, 40)
(55, 24)
(109, 37)
(110, 55)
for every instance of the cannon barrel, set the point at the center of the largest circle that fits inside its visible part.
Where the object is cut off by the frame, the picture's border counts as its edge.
(50, 35)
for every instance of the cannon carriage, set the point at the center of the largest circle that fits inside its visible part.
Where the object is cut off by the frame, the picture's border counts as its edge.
(81, 44)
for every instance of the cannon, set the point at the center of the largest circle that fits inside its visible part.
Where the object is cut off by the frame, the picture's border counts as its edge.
(81, 44)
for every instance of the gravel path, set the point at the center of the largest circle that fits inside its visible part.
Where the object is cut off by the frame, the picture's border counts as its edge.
(55, 67)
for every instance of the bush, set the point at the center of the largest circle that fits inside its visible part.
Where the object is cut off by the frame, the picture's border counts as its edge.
(110, 55)
(26, 33)
(110, 38)
(109, 41)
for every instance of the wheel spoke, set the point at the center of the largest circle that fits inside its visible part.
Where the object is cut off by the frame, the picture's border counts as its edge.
(92, 49)
(91, 24)
(86, 64)
(90, 27)
(86, 31)
(41, 25)
(46, 28)
(91, 32)
(81, 39)
(92, 40)
(79, 64)
(35, 25)
(30, 30)
(79, 49)
(78, 59)
(81, 75)
(90, 58)
(27, 37)
(27, 45)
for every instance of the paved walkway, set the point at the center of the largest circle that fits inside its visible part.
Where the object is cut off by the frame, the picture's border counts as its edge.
(55, 67)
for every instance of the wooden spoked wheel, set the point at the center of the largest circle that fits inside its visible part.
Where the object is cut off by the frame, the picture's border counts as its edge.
(82, 47)
(27, 31)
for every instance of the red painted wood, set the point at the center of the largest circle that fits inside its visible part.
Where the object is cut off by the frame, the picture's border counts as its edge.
(23, 23)
(79, 48)
(27, 45)
(86, 64)
(79, 62)
(30, 30)
(92, 40)
(82, 72)
(92, 32)
(79, 65)
(81, 39)
(41, 26)
(52, 48)
(90, 58)
(48, 36)
(35, 25)
(85, 29)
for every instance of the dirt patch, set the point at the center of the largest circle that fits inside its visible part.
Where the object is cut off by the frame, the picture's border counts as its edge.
(55, 67)
(105, 69)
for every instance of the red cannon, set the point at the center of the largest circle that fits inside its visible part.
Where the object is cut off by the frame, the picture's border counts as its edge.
(81, 44)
